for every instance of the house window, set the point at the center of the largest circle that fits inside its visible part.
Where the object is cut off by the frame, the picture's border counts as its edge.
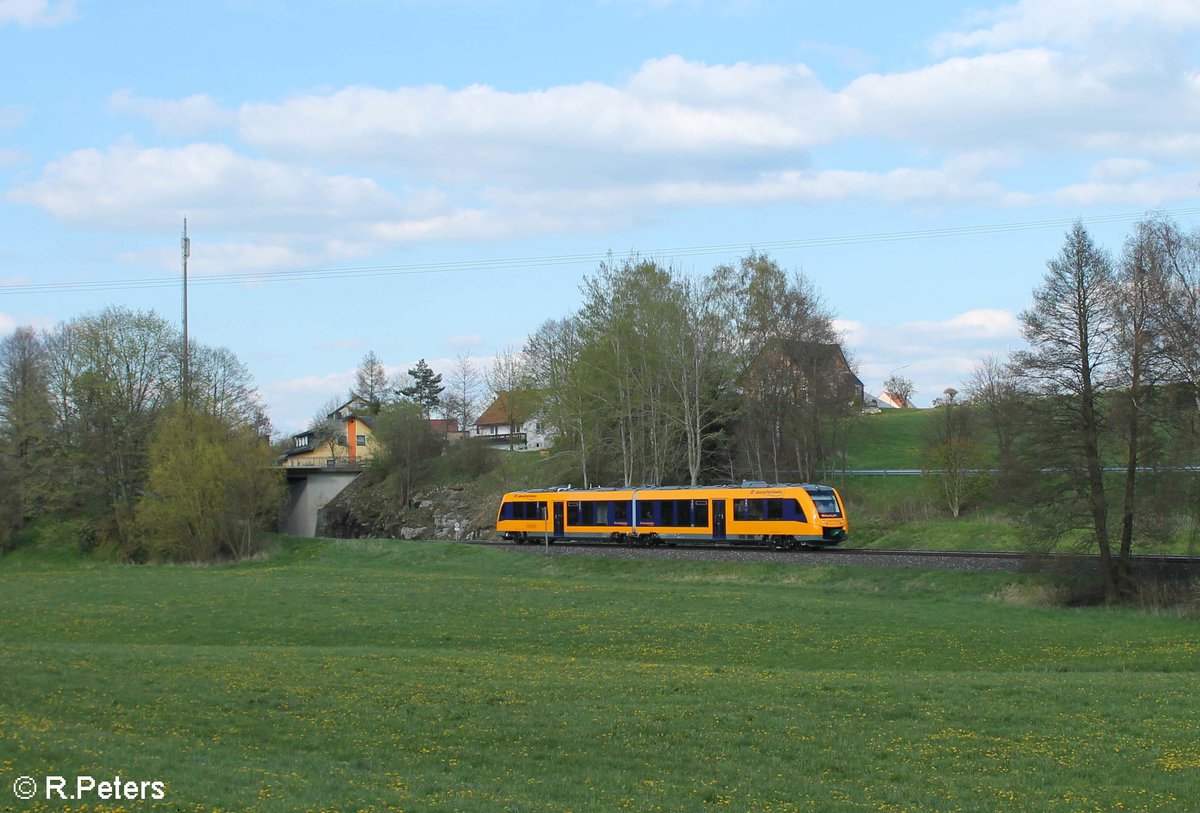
(360, 440)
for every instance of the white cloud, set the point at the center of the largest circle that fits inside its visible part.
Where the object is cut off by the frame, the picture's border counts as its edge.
(984, 323)
(1149, 192)
(36, 13)
(934, 355)
(131, 187)
(11, 117)
(482, 163)
(1070, 22)
(178, 117)
(671, 110)
(969, 102)
(1120, 169)
(853, 333)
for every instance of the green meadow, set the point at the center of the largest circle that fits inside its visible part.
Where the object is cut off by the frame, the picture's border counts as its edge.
(379, 676)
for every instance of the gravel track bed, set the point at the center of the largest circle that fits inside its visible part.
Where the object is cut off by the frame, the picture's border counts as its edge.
(977, 564)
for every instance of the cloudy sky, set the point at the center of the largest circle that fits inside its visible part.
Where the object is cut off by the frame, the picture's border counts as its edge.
(421, 177)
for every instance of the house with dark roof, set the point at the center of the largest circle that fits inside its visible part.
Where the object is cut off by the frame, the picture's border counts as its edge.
(807, 367)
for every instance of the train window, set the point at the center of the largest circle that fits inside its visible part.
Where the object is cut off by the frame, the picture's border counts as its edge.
(825, 502)
(595, 513)
(774, 509)
(645, 513)
(620, 513)
(700, 512)
(573, 513)
(797, 511)
(677, 512)
(747, 510)
(524, 510)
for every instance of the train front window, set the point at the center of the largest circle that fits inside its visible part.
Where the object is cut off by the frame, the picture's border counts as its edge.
(826, 503)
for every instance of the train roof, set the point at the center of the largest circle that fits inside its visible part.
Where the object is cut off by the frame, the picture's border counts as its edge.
(602, 489)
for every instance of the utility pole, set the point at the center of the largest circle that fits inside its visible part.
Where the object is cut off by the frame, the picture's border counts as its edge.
(186, 247)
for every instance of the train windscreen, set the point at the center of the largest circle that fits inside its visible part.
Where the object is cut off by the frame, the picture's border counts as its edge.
(825, 502)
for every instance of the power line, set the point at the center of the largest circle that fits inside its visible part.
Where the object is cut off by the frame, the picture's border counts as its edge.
(496, 264)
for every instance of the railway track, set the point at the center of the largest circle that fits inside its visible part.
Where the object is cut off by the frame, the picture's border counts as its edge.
(956, 560)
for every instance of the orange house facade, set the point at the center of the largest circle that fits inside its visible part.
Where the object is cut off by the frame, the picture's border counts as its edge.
(350, 446)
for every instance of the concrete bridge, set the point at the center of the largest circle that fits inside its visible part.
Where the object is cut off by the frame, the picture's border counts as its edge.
(310, 488)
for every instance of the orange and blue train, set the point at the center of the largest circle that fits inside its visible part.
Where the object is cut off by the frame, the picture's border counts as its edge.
(783, 515)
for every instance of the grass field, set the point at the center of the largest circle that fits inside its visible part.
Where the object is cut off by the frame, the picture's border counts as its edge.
(373, 676)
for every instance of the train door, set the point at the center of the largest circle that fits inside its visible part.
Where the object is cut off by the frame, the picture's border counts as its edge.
(718, 517)
(558, 520)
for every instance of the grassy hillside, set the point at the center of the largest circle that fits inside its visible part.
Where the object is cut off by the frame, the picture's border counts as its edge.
(891, 439)
(372, 676)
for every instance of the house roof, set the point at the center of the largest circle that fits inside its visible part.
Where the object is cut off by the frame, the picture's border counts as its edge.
(887, 398)
(802, 353)
(509, 407)
(444, 425)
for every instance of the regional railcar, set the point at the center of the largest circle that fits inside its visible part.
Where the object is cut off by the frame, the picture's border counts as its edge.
(784, 516)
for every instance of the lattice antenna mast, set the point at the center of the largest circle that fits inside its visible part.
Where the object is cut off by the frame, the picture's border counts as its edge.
(185, 246)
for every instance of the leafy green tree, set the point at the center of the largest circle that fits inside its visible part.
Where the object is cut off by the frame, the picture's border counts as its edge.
(1069, 365)
(117, 370)
(796, 409)
(211, 491)
(26, 425)
(623, 327)
(407, 448)
(426, 388)
(952, 459)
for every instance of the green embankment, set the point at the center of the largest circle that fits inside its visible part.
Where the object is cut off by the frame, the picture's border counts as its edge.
(373, 676)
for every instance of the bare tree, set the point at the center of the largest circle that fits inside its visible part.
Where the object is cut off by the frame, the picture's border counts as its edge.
(222, 386)
(993, 387)
(371, 383)
(509, 383)
(902, 387)
(463, 384)
(328, 428)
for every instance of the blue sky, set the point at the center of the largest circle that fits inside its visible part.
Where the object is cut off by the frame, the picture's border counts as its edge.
(918, 164)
